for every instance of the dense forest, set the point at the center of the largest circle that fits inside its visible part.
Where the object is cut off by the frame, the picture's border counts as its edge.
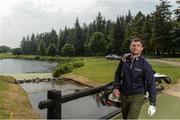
(160, 32)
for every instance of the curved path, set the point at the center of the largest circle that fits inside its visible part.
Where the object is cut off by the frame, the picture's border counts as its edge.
(170, 62)
(175, 89)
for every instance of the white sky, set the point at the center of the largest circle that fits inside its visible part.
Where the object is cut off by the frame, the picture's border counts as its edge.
(18, 18)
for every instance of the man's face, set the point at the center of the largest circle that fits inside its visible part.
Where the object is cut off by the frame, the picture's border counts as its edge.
(136, 48)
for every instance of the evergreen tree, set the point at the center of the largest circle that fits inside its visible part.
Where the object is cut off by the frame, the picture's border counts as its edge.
(25, 45)
(137, 25)
(161, 27)
(54, 38)
(41, 48)
(100, 23)
(147, 31)
(118, 35)
(78, 40)
(33, 45)
(129, 18)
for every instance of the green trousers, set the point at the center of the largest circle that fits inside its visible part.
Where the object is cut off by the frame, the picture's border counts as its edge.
(131, 105)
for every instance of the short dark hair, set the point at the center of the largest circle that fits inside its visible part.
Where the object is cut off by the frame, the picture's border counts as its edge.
(137, 39)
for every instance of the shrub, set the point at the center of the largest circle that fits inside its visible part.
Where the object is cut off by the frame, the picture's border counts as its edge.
(67, 67)
(63, 69)
(77, 64)
(37, 57)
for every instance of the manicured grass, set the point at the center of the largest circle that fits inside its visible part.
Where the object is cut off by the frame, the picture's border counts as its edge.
(172, 71)
(97, 69)
(168, 107)
(102, 70)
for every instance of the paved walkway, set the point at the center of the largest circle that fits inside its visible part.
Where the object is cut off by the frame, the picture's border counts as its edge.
(23, 76)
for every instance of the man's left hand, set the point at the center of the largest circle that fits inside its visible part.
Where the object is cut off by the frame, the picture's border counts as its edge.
(151, 110)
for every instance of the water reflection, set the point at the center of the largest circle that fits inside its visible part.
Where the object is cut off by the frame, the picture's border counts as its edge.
(88, 107)
(8, 66)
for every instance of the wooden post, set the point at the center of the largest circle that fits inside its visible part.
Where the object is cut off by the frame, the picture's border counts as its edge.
(50, 109)
(57, 104)
(54, 112)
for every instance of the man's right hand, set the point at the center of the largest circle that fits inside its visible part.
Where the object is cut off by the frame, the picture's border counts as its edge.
(116, 92)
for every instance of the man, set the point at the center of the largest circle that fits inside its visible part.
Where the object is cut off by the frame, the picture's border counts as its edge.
(134, 76)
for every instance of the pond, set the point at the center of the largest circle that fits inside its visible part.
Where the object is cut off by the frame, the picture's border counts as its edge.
(9, 66)
(83, 108)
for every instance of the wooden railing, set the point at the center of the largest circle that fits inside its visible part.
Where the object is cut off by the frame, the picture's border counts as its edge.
(54, 101)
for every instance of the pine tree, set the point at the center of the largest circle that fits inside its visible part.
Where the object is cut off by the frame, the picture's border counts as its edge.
(161, 27)
(41, 48)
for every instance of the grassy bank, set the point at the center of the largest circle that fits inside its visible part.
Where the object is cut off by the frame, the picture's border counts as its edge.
(14, 100)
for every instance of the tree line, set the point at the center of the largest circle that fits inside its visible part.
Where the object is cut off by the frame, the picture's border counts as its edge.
(160, 32)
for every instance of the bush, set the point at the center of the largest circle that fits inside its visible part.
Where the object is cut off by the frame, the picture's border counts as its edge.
(67, 68)
(77, 64)
(37, 57)
(63, 69)
(51, 59)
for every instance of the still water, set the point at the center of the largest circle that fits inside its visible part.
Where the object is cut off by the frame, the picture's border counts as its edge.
(87, 107)
(83, 108)
(8, 66)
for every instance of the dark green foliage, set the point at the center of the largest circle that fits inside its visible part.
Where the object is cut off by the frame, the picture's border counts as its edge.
(41, 48)
(78, 39)
(52, 50)
(97, 44)
(17, 51)
(37, 57)
(67, 68)
(4, 49)
(159, 31)
(77, 64)
(68, 50)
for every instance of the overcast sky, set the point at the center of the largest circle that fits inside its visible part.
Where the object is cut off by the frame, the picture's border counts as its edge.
(19, 18)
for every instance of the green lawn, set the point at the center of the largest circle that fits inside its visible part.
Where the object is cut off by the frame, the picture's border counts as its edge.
(102, 70)
(172, 71)
(98, 69)
(168, 107)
